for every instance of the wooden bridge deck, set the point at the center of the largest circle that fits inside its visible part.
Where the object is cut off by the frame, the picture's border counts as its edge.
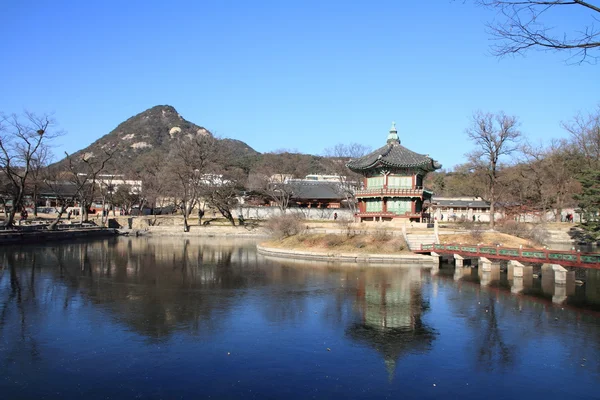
(564, 258)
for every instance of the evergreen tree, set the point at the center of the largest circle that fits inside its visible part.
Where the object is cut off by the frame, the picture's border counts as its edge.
(589, 201)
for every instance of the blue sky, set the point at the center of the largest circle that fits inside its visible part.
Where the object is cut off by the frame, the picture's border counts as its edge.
(295, 75)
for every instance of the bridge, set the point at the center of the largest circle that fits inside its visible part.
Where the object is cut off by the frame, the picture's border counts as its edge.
(545, 256)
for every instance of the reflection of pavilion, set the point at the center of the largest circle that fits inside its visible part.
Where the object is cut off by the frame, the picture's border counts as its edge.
(391, 305)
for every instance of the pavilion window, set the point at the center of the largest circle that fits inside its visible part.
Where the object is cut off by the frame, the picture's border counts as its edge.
(375, 182)
(374, 205)
(400, 182)
(399, 206)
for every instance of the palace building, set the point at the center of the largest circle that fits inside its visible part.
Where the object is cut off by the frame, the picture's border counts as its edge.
(393, 182)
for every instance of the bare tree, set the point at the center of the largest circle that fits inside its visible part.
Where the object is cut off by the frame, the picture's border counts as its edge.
(494, 136)
(585, 136)
(38, 165)
(154, 175)
(340, 154)
(60, 184)
(221, 191)
(125, 197)
(23, 139)
(522, 25)
(107, 188)
(85, 175)
(272, 177)
(549, 176)
(188, 161)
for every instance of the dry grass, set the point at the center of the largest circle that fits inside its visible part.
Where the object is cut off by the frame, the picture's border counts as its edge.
(361, 244)
(492, 238)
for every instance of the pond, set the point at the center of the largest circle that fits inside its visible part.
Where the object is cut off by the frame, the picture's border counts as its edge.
(167, 318)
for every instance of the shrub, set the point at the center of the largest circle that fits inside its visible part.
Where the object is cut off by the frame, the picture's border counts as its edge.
(333, 240)
(381, 235)
(400, 246)
(286, 225)
(536, 233)
(345, 225)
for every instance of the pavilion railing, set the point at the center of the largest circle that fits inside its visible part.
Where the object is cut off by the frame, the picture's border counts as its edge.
(390, 191)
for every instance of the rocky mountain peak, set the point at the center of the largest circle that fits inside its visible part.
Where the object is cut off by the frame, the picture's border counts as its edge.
(153, 130)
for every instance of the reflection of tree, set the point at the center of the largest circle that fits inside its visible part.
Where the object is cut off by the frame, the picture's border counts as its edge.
(492, 348)
(154, 287)
(391, 305)
(481, 313)
(18, 300)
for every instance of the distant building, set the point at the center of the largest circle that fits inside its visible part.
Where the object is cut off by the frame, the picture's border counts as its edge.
(316, 194)
(393, 182)
(459, 208)
(325, 178)
(112, 182)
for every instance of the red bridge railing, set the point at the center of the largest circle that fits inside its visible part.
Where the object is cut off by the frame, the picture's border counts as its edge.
(565, 258)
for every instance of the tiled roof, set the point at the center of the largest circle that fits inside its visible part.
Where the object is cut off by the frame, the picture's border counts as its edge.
(393, 155)
(316, 190)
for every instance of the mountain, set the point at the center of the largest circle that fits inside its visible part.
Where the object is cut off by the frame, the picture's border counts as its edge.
(152, 131)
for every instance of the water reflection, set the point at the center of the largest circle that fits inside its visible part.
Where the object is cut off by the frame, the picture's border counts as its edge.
(213, 317)
(390, 304)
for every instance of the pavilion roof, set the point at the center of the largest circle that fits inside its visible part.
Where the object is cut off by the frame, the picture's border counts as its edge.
(393, 155)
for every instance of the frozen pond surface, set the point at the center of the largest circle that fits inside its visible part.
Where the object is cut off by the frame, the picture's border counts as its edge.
(171, 318)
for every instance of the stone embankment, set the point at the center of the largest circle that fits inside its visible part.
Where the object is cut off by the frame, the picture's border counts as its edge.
(207, 231)
(41, 236)
(396, 259)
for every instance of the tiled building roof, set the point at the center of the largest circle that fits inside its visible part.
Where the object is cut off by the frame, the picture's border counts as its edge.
(316, 190)
(393, 155)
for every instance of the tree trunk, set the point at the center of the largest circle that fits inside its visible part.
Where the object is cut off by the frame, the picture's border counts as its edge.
(52, 226)
(10, 218)
(16, 203)
(186, 226)
(492, 207)
(35, 198)
(227, 214)
(102, 223)
(184, 209)
(84, 211)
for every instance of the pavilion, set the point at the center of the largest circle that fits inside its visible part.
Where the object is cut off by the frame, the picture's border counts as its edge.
(393, 182)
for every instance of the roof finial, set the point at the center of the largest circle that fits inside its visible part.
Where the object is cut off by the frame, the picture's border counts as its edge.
(393, 135)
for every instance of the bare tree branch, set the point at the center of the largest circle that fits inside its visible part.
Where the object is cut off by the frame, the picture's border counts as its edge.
(494, 136)
(23, 139)
(528, 24)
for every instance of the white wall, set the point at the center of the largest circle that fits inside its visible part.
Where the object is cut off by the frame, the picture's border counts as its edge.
(251, 212)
